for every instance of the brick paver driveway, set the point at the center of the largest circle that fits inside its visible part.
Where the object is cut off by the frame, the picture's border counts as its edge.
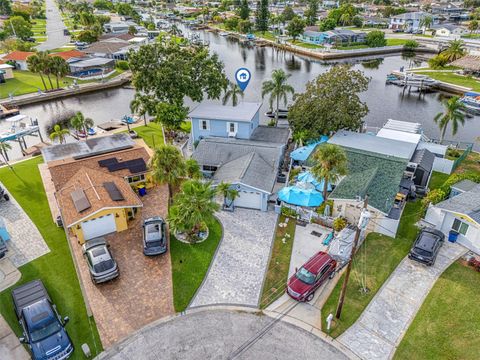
(143, 292)
(238, 269)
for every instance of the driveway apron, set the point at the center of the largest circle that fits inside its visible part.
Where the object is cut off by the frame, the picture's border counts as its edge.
(239, 266)
(381, 327)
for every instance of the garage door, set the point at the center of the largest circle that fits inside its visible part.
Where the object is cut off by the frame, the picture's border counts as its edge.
(99, 226)
(249, 199)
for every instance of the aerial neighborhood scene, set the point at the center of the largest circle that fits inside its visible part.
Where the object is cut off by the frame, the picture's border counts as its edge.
(240, 179)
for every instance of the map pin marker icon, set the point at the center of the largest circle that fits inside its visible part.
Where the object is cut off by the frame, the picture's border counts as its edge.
(243, 77)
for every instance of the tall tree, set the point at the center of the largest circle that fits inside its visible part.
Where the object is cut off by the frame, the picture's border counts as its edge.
(311, 13)
(295, 28)
(232, 92)
(59, 134)
(426, 22)
(35, 66)
(168, 167)
(278, 89)
(80, 123)
(455, 50)
(192, 169)
(167, 74)
(19, 27)
(454, 114)
(193, 207)
(244, 11)
(46, 65)
(330, 163)
(261, 17)
(288, 13)
(330, 102)
(228, 193)
(59, 67)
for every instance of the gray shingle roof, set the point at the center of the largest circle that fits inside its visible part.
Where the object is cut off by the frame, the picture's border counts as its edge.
(271, 134)
(467, 203)
(245, 111)
(465, 185)
(424, 159)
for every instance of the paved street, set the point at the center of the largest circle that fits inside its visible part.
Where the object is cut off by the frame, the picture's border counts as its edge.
(55, 26)
(216, 334)
(238, 269)
(381, 327)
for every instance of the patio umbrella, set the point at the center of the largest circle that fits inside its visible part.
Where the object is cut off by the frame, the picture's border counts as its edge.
(302, 197)
(302, 153)
(308, 177)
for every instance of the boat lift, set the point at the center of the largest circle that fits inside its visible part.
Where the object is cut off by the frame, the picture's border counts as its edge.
(18, 131)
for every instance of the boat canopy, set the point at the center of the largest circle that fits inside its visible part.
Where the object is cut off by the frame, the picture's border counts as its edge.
(302, 153)
(16, 118)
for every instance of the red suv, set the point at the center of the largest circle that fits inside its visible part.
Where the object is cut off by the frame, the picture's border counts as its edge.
(302, 285)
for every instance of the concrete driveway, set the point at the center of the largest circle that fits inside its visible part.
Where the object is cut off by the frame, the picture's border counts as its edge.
(238, 269)
(381, 327)
(143, 292)
(218, 334)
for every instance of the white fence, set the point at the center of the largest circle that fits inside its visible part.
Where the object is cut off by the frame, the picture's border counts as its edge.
(443, 165)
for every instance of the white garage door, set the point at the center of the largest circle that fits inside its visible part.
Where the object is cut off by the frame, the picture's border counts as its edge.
(249, 199)
(99, 226)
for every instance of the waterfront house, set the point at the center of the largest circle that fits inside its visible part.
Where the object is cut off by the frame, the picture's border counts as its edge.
(93, 183)
(449, 30)
(409, 22)
(111, 48)
(459, 213)
(92, 68)
(333, 37)
(18, 59)
(6, 72)
(232, 147)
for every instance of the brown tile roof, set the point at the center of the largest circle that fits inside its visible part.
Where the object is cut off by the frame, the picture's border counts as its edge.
(107, 47)
(67, 55)
(97, 195)
(125, 36)
(18, 55)
(468, 62)
(63, 170)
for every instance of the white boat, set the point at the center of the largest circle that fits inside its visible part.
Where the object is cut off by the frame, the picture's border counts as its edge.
(223, 33)
(418, 80)
(471, 101)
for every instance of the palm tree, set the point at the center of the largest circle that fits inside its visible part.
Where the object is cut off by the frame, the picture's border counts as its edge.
(454, 113)
(59, 133)
(426, 23)
(346, 18)
(278, 88)
(46, 65)
(192, 169)
(139, 106)
(194, 206)
(4, 147)
(80, 122)
(300, 136)
(330, 163)
(35, 66)
(473, 26)
(455, 50)
(229, 194)
(233, 91)
(168, 167)
(60, 68)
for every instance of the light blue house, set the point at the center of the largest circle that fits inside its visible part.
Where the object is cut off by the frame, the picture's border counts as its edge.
(214, 120)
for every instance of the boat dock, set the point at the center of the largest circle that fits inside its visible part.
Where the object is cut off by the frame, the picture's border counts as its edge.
(440, 85)
(8, 111)
(18, 131)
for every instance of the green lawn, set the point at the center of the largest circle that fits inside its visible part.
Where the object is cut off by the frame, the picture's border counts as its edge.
(56, 268)
(306, 45)
(375, 261)
(266, 35)
(152, 134)
(453, 79)
(395, 42)
(190, 264)
(437, 180)
(277, 273)
(446, 326)
(352, 47)
(471, 36)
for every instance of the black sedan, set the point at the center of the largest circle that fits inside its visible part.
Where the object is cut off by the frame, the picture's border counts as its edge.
(154, 236)
(426, 246)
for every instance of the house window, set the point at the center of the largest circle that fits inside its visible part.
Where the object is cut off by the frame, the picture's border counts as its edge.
(136, 178)
(209, 168)
(231, 127)
(460, 226)
(204, 124)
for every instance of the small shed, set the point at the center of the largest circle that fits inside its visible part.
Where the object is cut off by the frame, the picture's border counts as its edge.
(6, 72)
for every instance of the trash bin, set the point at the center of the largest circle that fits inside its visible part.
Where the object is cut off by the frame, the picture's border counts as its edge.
(452, 236)
(142, 191)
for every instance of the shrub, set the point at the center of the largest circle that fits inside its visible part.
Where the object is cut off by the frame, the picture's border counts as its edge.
(231, 23)
(321, 208)
(455, 178)
(433, 197)
(410, 45)
(286, 211)
(454, 153)
(376, 38)
(437, 62)
(357, 21)
(122, 65)
(294, 172)
(339, 224)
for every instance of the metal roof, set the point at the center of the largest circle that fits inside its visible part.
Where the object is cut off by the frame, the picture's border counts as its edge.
(374, 144)
(399, 135)
(405, 126)
(91, 62)
(464, 185)
(244, 111)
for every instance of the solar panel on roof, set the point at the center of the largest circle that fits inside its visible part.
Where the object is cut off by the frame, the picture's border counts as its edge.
(80, 200)
(134, 165)
(113, 191)
(107, 162)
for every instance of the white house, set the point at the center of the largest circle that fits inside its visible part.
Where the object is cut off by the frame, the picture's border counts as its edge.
(449, 30)
(460, 213)
(409, 22)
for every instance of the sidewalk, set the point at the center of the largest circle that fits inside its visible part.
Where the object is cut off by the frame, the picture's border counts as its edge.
(10, 347)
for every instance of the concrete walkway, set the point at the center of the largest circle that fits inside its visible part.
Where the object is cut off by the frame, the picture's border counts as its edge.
(219, 334)
(10, 346)
(381, 327)
(55, 26)
(238, 269)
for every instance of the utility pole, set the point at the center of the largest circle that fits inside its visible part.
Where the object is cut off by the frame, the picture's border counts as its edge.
(362, 224)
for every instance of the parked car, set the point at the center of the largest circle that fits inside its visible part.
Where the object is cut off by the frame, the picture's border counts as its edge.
(3, 194)
(100, 261)
(313, 274)
(397, 30)
(43, 328)
(154, 236)
(426, 247)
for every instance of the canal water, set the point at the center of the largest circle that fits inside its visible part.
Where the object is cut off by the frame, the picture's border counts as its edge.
(384, 101)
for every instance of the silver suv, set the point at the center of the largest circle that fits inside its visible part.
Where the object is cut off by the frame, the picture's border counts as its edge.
(100, 261)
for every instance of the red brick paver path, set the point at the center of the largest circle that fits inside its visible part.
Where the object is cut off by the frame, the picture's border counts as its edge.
(143, 292)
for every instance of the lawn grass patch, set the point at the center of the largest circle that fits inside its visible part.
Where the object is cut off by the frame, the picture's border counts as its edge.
(352, 47)
(190, 264)
(452, 78)
(306, 45)
(446, 326)
(266, 35)
(437, 180)
(55, 269)
(277, 273)
(152, 134)
(396, 42)
(26, 82)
